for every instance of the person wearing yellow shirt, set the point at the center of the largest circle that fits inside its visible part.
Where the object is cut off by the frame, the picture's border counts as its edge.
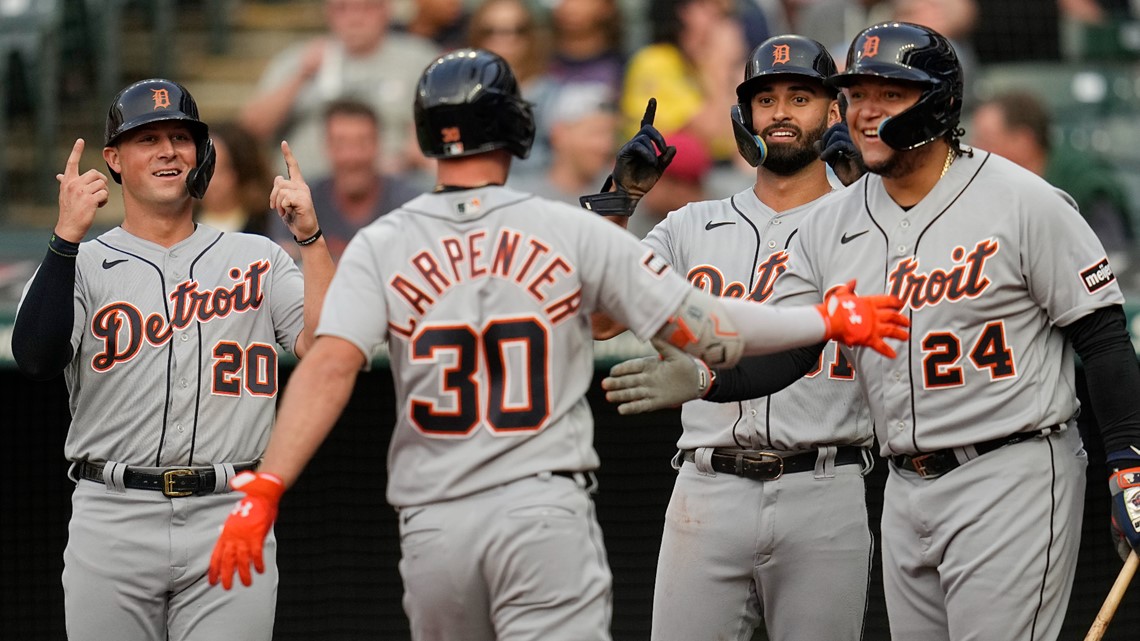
(691, 66)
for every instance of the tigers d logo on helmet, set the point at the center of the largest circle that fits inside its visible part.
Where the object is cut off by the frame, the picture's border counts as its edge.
(780, 54)
(871, 46)
(161, 98)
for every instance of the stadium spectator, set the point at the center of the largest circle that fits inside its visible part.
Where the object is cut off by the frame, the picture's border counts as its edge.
(357, 58)
(1019, 126)
(443, 22)
(691, 67)
(238, 196)
(587, 36)
(357, 191)
(582, 135)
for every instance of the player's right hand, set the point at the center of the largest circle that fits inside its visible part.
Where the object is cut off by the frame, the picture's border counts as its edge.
(656, 382)
(80, 195)
(863, 320)
(292, 199)
(243, 535)
(642, 160)
(1124, 485)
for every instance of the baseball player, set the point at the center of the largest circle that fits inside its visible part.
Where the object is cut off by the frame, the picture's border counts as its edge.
(483, 295)
(745, 537)
(1003, 282)
(165, 331)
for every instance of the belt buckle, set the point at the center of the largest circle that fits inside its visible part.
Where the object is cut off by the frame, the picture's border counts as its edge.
(919, 465)
(780, 459)
(168, 478)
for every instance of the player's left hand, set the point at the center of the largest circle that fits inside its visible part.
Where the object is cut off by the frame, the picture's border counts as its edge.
(1124, 484)
(836, 149)
(656, 382)
(243, 535)
(863, 320)
(642, 160)
(292, 199)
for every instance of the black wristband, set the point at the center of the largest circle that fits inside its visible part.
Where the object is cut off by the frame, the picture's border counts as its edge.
(310, 240)
(62, 247)
(611, 203)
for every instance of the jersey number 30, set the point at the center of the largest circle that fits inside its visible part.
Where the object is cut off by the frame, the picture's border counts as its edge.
(487, 350)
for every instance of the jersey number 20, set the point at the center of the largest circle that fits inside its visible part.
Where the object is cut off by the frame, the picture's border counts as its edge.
(486, 350)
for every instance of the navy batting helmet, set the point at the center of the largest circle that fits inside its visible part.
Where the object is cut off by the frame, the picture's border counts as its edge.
(905, 51)
(468, 102)
(788, 55)
(156, 100)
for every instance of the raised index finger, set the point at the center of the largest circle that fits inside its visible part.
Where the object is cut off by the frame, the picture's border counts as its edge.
(650, 112)
(71, 169)
(291, 162)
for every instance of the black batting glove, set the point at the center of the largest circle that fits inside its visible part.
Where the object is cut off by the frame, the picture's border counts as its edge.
(836, 149)
(642, 160)
(640, 163)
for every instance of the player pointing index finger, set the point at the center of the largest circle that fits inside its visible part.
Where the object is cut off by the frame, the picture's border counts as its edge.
(71, 168)
(179, 444)
(294, 169)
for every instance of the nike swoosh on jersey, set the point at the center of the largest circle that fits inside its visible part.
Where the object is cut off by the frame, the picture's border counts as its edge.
(846, 239)
(709, 226)
(108, 264)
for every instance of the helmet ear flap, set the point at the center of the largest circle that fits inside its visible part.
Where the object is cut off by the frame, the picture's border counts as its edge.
(750, 146)
(198, 179)
(919, 124)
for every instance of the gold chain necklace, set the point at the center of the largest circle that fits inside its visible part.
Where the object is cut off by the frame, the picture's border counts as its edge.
(949, 161)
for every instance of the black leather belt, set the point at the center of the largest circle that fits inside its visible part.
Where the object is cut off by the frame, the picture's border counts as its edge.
(936, 463)
(769, 466)
(173, 482)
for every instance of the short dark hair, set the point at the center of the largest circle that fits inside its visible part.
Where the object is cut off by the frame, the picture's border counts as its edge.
(1025, 110)
(351, 107)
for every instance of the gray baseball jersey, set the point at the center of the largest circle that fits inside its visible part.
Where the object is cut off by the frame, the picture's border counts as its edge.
(175, 365)
(176, 347)
(990, 264)
(483, 297)
(738, 248)
(737, 550)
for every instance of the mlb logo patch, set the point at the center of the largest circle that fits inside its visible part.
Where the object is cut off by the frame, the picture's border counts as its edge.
(1097, 276)
(470, 206)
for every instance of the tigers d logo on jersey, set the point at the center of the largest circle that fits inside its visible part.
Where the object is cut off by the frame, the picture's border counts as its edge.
(711, 280)
(122, 327)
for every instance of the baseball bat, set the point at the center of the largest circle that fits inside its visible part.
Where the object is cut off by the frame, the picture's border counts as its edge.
(1100, 624)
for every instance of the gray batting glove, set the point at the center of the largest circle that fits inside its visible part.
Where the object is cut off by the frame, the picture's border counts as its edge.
(656, 382)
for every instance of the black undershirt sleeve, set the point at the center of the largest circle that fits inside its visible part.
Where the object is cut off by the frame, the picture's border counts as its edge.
(757, 376)
(1101, 340)
(41, 337)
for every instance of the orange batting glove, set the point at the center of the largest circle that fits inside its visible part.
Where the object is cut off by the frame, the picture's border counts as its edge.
(243, 535)
(863, 320)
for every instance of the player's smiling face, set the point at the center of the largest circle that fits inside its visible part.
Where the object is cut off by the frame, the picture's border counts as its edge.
(154, 160)
(790, 114)
(871, 100)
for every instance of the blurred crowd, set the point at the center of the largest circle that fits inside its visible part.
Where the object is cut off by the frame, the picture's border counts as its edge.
(342, 99)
